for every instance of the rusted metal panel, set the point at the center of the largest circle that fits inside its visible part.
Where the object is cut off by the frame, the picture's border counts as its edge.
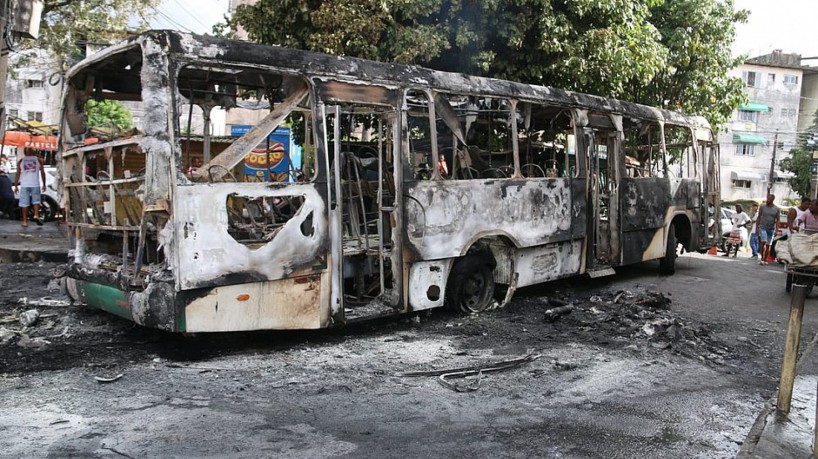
(335, 91)
(548, 262)
(644, 203)
(445, 218)
(273, 305)
(209, 256)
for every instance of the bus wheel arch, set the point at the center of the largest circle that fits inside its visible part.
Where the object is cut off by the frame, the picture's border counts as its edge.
(474, 278)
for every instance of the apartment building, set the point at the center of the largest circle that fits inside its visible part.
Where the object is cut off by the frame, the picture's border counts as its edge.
(763, 130)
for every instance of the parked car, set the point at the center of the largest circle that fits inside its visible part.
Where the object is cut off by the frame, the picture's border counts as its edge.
(49, 205)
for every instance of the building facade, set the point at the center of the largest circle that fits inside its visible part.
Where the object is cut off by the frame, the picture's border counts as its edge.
(763, 130)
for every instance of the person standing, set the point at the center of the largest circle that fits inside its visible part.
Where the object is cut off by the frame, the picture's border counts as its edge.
(794, 216)
(738, 236)
(753, 235)
(768, 216)
(30, 171)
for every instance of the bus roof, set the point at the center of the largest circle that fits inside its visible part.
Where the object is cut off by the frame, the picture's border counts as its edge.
(187, 46)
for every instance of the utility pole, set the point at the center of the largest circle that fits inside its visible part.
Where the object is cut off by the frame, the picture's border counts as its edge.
(812, 145)
(772, 166)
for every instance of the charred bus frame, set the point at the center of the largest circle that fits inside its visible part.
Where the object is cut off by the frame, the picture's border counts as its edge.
(418, 188)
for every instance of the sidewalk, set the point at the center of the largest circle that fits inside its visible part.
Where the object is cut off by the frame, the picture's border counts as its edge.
(773, 435)
(32, 243)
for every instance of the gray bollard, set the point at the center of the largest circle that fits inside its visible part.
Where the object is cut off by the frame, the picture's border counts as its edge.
(799, 295)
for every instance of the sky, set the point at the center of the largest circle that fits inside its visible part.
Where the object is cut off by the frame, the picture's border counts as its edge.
(788, 25)
(196, 16)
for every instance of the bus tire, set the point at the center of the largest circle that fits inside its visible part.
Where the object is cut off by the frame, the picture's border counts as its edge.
(471, 285)
(667, 264)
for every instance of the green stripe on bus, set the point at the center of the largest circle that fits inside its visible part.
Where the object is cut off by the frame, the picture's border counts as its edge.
(107, 298)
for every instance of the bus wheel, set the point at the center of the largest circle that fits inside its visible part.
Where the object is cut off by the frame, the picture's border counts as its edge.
(667, 264)
(471, 285)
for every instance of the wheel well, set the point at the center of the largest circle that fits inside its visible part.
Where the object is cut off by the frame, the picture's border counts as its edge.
(498, 251)
(684, 230)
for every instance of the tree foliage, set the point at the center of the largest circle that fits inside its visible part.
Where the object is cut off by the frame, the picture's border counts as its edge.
(668, 53)
(800, 161)
(68, 25)
(107, 113)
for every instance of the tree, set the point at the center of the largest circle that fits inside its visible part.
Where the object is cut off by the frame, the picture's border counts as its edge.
(800, 161)
(68, 25)
(106, 113)
(667, 53)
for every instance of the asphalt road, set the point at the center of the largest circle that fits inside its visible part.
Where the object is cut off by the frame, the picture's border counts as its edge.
(600, 388)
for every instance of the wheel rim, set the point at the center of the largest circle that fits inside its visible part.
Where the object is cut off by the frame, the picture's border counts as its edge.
(473, 291)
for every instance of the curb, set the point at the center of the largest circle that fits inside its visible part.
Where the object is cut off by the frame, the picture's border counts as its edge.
(754, 435)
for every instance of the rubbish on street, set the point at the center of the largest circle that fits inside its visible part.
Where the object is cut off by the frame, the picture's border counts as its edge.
(107, 380)
(551, 315)
(29, 317)
(444, 375)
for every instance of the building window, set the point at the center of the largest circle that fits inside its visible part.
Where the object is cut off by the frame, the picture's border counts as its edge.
(790, 79)
(741, 183)
(751, 79)
(14, 113)
(34, 83)
(745, 149)
(35, 116)
(788, 112)
(747, 115)
(771, 78)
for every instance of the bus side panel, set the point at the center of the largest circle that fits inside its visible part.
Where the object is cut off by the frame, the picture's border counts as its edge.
(685, 193)
(644, 203)
(547, 263)
(444, 218)
(579, 208)
(209, 256)
(644, 206)
(274, 305)
(643, 245)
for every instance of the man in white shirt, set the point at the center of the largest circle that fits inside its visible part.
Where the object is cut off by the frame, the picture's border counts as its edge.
(738, 236)
(753, 233)
(29, 172)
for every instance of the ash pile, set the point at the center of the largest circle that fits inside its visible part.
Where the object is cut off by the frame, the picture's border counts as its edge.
(641, 320)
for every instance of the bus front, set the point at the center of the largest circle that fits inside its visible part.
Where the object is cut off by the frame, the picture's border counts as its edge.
(180, 223)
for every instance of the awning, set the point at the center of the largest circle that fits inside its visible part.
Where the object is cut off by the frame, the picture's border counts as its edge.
(747, 175)
(754, 107)
(26, 140)
(749, 138)
(783, 174)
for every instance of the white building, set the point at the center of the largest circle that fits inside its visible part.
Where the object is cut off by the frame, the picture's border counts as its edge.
(763, 130)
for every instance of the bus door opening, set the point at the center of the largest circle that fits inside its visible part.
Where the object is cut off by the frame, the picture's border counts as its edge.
(603, 206)
(361, 146)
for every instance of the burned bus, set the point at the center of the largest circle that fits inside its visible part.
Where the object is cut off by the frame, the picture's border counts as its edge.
(402, 188)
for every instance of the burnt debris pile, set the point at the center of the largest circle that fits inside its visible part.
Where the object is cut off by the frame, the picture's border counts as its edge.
(641, 320)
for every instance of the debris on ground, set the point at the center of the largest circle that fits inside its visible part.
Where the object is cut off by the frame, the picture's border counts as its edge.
(102, 380)
(478, 370)
(28, 318)
(642, 319)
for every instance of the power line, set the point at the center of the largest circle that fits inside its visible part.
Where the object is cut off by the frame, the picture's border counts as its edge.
(190, 13)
